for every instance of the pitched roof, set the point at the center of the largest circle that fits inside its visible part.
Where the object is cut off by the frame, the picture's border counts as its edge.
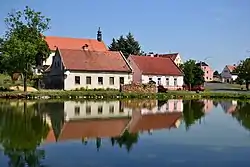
(93, 128)
(156, 121)
(202, 64)
(169, 55)
(94, 60)
(231, 68)
(74, 43)
(156, 65)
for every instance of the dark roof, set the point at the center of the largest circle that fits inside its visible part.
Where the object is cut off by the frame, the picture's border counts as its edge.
(156, 65)
(169, 55)
(94, 60)
(202, 64)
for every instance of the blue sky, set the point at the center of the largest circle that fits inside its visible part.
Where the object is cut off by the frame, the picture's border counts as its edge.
(218, 29)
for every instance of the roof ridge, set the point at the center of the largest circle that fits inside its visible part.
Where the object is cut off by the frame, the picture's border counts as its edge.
(70, 37)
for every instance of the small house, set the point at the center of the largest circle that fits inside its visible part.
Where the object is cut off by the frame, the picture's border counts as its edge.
(228, 74)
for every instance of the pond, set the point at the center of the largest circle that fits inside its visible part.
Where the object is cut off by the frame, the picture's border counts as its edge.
(124, 133)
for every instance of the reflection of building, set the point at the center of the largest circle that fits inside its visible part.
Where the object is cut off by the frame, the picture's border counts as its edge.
(208, 105)
(84, 120)
(229, 106)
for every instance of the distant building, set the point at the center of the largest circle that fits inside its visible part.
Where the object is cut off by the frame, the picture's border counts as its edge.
(176, 57)
(162, 71)
(208, 71)
(228, 75)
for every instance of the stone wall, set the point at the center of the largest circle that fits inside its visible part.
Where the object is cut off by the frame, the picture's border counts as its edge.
(139, 88)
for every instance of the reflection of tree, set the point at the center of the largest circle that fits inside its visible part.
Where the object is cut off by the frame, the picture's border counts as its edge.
(242, 114)
(127, 139)
(21, 132)
(192, 111)
(215, 103)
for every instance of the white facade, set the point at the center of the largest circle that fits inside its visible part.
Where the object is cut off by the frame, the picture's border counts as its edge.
(107, 80)
(49, 60)
(90, 109)
(174, 105)
(166, 81)
(178, 61)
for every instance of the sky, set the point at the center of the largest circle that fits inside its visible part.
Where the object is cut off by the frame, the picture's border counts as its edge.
(217, 31)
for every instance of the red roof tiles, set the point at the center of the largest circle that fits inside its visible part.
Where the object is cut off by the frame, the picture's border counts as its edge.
(94, 60)
(156, 65)
(74, 43)
(79, 129)
(169, 55)
(231, 68)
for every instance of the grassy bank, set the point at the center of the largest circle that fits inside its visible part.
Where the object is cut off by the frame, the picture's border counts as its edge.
(64, 95)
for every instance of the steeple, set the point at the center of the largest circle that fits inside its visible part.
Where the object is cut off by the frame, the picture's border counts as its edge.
(99, 35)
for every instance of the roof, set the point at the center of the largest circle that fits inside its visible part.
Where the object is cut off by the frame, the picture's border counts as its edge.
(94, 60)
(156, 65)
(93, 128)
(74, 43)
(202, 64)
(156, 121)
(169, 55)
(231, 68)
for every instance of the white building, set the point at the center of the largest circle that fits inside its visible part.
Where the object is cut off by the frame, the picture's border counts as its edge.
(228, 74)
(163, 71)
(74, 69)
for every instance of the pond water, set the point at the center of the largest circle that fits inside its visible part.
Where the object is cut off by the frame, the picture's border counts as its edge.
(124, 133)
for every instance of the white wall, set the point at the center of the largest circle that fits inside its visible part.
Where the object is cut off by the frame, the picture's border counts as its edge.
(234, 77)
(145, 79)
(69, 82)
(173, 105)
(178, 61)
(69, 109)
(49, 60)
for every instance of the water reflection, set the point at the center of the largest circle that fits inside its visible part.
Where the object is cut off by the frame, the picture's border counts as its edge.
(24, 125)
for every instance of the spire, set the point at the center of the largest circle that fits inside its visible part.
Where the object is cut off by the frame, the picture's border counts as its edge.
(99, 35)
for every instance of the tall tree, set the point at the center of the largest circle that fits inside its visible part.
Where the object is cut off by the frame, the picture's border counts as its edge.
(243, 71)
(193, 74)
(24, 46)
(127, 45)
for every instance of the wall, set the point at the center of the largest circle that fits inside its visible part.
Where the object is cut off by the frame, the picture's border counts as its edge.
(49, 60)
(112, 109)
(227, 76)
(171, 86)
(178, 60)
(174, 105)
(208, 73)
(136, 71)
(69, 82)
(139, 88)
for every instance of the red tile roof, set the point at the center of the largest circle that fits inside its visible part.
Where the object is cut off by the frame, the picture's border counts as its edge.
(169, 55)
(94, 60)
(102, 128)
(74, 43)
(231, 68)
(156, 65)
(156, 121)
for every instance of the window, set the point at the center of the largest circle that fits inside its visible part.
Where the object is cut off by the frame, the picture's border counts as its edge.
(111, 80)
(175, 105)
(167, 81)
(111, 109)
(99, 110)
(77, 80)
(207, 72)
(207, 77)
(121, 80)
(150, 79)
(88, 110)
(100, 80)
(159, 81)
(121, 110)
(167, 106)
(175, 82)
(77, 110)
(88, 80)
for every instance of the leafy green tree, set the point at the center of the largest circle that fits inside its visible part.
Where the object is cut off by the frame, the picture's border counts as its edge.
(242, 114)
(193, 110)
(127, 45)
(216, 73)
(243, 71)
(193, 74)
(24, 46)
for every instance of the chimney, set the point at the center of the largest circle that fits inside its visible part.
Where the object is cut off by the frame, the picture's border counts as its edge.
(99, 35)
(85, 47)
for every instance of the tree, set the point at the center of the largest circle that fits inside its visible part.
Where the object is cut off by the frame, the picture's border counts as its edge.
(243, 71)
(24, 47)
(216, 73)
(193, 74)
(127, 45)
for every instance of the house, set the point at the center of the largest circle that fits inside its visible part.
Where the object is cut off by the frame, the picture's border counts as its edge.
(208, 71)
(55, 42)
(74, 69)
(176, 57)
(162, 71)
(228, 75)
